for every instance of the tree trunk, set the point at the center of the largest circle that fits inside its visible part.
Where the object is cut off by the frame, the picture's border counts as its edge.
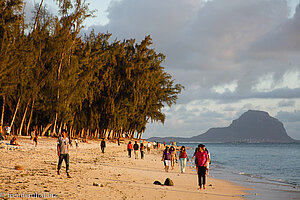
(12, 121)
(55, 121)
(37, 15)
(29, 121)
(24, 116)
(46, 129)
(3, 107)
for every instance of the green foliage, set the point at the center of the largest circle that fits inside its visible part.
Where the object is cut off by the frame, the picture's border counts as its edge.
(88, 82)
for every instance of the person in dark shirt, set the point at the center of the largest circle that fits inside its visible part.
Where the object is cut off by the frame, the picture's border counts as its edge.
(142, 149)
(136, 149)
(166, 158)
(103, 145)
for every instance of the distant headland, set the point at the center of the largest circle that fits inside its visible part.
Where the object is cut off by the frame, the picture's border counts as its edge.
(252, 126)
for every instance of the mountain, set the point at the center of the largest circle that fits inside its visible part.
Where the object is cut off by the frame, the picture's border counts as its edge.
(252, 126)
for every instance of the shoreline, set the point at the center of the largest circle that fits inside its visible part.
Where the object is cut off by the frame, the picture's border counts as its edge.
(116, 175)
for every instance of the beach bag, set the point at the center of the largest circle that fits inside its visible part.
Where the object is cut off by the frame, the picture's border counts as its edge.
(169, 182)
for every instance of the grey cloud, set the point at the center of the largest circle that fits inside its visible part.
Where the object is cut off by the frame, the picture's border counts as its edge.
(206, 44)
(282, 39)
(229, 97)
(285, 103)
(289, 116)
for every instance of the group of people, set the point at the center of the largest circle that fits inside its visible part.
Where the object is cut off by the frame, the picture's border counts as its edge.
(170, 158)
(201, 155)
(202, 160)
(136, 148)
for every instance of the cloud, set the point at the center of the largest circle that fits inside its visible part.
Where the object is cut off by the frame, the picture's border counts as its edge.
(286, 103)
(289, 116)
(213, 44)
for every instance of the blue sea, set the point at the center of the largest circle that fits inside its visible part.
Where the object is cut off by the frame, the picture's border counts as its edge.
(272, 170)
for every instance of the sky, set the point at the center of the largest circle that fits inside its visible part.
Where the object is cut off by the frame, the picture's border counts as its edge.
(231, 56)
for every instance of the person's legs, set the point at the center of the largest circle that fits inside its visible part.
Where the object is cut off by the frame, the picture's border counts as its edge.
(167, 164)
(201, 177)
(66, 157)
(60, 159)
(172, 162)
(142, 154)
(136, 154)
(102, 149)
(183, 164)
(204, 176)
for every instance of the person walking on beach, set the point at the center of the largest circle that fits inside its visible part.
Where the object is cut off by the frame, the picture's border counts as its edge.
(142, 149)
(173, 153)
(202, 159)
(166, 157)
(136, 149)
(35, 139)
(208, 160)
(63, 152)
(149, 147)
(103, 145)
(194, 156)
(183, 157)
(129, 149)
(76, 143)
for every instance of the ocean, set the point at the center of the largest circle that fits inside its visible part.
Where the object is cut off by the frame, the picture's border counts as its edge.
(271, 169)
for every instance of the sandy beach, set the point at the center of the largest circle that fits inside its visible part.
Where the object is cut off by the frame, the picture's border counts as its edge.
(116, 175)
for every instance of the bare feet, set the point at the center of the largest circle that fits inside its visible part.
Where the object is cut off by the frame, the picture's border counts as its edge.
(68, 175)
(200, 188)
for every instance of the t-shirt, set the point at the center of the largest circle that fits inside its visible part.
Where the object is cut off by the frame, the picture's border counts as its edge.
(182, 154)
(149, 145)
(103, 143)
(63, 143)
(167, 155)
(136, 147)
(201, 158)
(129, 146)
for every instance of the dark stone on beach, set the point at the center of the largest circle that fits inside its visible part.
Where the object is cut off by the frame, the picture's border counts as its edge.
(169, 182)
(157, 183)
(18, 167)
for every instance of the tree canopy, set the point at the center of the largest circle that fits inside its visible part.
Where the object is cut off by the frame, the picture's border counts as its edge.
(109, 89)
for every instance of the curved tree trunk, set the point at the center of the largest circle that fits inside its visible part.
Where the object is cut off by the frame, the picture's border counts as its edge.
(24, 116)
(13, 119)
(3, 107)
(46, 129)
(29, 121)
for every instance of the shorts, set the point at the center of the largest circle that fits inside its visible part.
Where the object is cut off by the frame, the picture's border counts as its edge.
(167, 162)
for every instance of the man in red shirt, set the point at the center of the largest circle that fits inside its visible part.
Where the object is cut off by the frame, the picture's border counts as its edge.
(129, 149)
(202, 159)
